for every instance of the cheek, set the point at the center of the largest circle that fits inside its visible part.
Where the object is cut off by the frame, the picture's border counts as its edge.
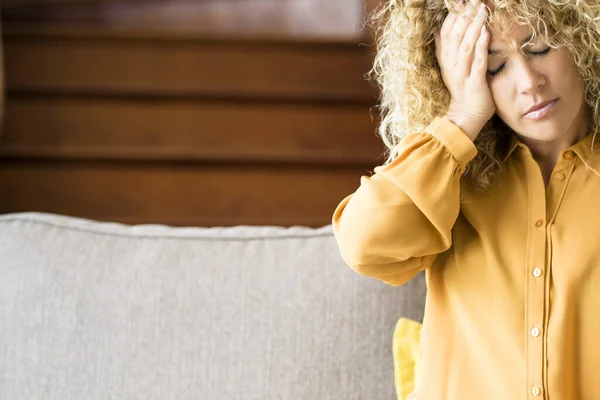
(573, 83)
(563, 73)
(501, 96)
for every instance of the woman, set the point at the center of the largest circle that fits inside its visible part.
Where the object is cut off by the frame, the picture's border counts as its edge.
(492, 190)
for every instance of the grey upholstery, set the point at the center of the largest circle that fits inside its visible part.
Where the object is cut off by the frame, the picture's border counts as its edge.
(99, 311)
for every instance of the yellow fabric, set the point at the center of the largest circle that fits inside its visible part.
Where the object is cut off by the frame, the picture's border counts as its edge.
(407, 356)
(513, 274)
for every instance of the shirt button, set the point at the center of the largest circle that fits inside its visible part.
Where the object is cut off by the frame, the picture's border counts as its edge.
(535, 332)
(559, 177)
(535, 391)
(537, 272)
(568, 155)
(539, 223)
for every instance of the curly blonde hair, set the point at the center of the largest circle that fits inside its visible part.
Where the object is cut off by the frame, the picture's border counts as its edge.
(412, 90)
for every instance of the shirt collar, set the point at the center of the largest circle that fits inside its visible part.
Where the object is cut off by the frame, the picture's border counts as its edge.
(512, 145)
(589, 156)
(583, 149)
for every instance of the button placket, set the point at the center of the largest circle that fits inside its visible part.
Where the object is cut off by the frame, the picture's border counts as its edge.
(544, 202)
(539, 315)
(566, 161)
(535, 342)
(561, 171)
(535, 295)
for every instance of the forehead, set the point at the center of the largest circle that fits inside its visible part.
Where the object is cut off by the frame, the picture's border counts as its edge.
(507, 35)
(507, 38)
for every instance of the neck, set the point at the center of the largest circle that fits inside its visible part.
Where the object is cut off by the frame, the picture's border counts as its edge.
(547, 152)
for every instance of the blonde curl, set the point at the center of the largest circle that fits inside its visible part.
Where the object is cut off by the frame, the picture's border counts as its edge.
(412, 92)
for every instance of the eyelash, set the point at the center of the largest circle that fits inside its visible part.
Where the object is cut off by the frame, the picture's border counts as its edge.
(538, 53)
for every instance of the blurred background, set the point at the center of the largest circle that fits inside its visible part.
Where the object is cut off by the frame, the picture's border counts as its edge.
(186, 112)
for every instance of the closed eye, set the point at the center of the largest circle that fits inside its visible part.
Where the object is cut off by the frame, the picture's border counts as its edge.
(535, 53)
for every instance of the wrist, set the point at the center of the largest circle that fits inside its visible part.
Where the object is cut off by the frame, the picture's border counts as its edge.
(470, 126)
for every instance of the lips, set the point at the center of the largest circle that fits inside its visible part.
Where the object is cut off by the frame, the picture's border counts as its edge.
(539, 106)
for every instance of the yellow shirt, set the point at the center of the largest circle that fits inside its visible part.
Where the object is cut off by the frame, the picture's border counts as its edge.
(513, 275)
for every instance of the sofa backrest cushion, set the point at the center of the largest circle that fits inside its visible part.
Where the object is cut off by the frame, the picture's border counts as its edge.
(93, 310)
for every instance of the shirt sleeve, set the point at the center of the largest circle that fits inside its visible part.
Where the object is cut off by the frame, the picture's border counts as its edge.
(401, 217)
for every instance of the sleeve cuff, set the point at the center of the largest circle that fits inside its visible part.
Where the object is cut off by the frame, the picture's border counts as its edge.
(454, 139)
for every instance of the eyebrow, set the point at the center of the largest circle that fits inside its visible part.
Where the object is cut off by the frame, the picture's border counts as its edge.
(493, 52)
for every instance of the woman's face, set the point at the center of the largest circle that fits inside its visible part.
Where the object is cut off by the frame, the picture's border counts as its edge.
(534, 75)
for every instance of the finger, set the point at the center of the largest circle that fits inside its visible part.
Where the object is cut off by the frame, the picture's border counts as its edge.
(460, 27)
(480, 61)
(473, 30)
(437, 46)
(467, 47)
(449, 23)
(453, 14)
(442, 36)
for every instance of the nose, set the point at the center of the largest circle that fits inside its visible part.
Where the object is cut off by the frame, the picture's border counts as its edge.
(529, 78)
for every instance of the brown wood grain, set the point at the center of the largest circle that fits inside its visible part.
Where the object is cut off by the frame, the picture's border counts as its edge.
(342, 19)
(2, 81)
(160, 67)
(158, 113)
(177, 194)
(190, 130)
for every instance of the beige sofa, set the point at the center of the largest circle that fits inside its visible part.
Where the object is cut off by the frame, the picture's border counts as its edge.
(99, 311)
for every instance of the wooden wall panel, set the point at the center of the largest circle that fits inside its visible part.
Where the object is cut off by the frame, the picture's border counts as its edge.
(2, 79)
(314, 19)
(177, 194)
(131, 65)
(192, 130)
(160, 112)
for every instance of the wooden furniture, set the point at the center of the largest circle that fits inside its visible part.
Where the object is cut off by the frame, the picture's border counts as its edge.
(163, 112)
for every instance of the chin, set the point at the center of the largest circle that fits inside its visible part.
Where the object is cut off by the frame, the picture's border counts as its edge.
(545, 131)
